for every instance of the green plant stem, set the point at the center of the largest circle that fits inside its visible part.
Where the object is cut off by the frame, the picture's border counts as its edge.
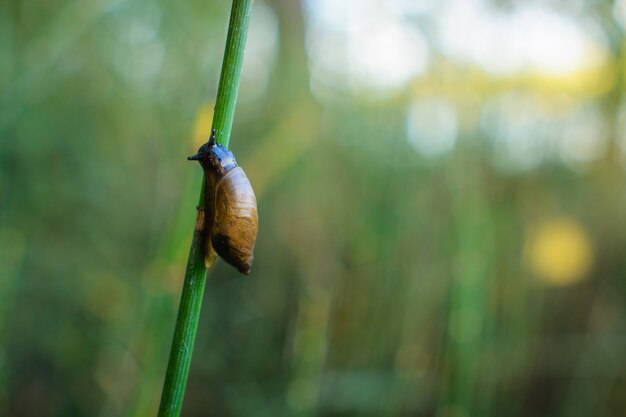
(186, 324)
(195, 274)
(231, 70)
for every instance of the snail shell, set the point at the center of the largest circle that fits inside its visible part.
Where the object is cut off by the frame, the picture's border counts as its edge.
(231, 223)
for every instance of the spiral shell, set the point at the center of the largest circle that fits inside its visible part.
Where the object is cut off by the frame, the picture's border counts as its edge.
(231, 223)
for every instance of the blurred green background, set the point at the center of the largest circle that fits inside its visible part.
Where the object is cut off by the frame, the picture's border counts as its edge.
(441, 198)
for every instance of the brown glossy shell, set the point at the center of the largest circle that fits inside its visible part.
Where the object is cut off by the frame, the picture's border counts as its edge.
(234, 224)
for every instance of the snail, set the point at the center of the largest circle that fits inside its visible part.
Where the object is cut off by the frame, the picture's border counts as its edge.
(231, 222)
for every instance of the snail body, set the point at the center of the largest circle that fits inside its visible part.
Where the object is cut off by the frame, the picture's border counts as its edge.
(231, 221)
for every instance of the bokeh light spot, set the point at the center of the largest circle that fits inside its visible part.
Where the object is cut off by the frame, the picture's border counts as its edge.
(203, 123)
(560, 252)
(356, 46)
(528, 38)
(432, 127)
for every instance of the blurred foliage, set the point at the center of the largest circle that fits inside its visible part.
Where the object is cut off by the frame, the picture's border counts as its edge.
(481, 275)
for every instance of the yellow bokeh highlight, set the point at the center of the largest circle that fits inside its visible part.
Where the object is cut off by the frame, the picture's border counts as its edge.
(202, 124)
(560, 252)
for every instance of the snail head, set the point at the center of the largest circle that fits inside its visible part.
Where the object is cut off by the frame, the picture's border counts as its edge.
(214, 156)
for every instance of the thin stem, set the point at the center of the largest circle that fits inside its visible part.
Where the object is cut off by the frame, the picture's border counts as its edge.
(186, 325)
(195, 274)
(231, 70)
